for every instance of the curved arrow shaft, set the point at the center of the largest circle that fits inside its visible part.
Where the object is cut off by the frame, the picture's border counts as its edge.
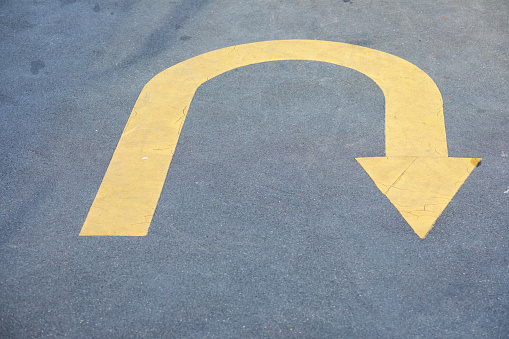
(127, 198)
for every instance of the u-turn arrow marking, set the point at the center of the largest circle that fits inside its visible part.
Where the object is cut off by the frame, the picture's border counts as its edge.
(416, 174)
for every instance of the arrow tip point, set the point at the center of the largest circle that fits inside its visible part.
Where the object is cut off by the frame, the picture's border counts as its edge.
(419, 187)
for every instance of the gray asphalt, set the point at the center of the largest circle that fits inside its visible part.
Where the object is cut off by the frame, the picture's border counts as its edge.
(267, 226)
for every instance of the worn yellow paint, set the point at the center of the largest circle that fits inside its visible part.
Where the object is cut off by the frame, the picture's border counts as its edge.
(419, 187)
(416, 175)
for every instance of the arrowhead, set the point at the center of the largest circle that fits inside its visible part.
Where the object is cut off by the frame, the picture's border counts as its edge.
(419, 187)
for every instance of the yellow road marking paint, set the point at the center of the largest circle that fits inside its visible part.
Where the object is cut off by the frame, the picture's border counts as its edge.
(416, 175)
(419, 187)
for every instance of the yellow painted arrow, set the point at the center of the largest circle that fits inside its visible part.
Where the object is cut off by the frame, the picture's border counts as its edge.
(416, 174)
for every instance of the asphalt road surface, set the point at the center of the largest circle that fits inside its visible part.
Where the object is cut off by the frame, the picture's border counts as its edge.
(266, 226)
